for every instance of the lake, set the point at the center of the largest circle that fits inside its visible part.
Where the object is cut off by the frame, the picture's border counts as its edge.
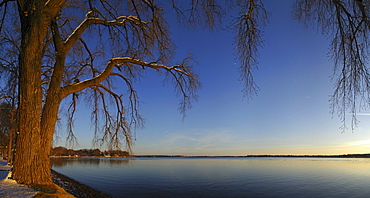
(221, 177)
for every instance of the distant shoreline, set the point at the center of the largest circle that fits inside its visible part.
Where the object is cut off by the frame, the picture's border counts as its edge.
(367, 155)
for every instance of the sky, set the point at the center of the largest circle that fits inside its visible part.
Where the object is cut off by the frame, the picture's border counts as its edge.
(290, 114)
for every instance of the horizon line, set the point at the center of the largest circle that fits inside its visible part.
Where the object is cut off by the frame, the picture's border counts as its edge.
(255, 155)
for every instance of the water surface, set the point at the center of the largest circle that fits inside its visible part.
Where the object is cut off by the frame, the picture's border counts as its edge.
(221, 177)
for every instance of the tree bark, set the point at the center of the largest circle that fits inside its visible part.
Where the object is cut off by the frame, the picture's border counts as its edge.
(51, 108)
(31, 164)
(37, 118)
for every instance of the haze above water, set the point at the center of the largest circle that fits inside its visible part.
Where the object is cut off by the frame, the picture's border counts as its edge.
(221, 177)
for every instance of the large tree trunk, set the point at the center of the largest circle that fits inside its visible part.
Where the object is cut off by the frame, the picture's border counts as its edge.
(31, 164)
(37, 118)
(51, 107)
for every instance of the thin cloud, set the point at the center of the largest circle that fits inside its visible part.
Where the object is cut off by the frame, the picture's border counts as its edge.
(199, 139)
(363, 114)
(361, 143)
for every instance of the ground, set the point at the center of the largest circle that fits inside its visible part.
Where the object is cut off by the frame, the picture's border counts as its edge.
(11, 189)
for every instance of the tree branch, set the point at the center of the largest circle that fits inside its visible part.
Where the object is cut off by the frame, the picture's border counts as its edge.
(76, 34)
(52, 7)
(118, 62)
(4, 2)
(57, 38)
(248, 40)
(347, 24)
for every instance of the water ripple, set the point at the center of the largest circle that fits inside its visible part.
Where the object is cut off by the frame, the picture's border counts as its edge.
(223, 177)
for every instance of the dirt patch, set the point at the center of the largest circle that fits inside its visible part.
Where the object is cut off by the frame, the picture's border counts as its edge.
(50, 191)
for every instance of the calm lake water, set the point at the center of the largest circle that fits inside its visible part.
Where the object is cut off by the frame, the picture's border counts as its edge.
(221, 177)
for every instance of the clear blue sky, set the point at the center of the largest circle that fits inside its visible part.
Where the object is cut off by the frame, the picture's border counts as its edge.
(290, 115)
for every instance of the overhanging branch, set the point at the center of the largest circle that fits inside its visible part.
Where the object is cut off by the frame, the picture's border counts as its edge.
(115, 62)
(120, 21)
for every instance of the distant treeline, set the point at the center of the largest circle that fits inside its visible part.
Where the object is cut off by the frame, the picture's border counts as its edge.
(62, 151)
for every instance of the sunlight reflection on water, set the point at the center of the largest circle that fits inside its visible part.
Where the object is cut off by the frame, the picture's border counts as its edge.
(221, 177)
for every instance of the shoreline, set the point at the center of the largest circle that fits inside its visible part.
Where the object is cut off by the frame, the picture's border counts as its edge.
(74, 187)
(63, 186)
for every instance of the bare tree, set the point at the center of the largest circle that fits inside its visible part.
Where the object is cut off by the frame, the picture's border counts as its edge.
(56, 62)
(9, 79)
(73, 50)
(59, 50)
(7, 129)
(5, 110)
(347, 24)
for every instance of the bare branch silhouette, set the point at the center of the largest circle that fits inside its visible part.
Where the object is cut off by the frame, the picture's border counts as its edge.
(347, 24)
